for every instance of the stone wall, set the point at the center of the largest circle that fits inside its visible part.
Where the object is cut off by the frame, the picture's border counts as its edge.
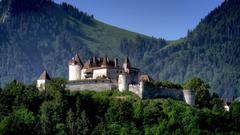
(95, 85)
(146, 92)
(136, 89)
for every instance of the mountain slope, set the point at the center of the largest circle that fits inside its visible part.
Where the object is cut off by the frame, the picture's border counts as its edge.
(211, 51)
(46, 36)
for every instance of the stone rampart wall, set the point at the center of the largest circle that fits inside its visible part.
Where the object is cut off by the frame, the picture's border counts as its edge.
(95, 85)
(146, 92)
(135, 89)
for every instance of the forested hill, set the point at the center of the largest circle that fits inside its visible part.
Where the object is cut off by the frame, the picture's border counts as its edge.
(40, 34)
(210, 51)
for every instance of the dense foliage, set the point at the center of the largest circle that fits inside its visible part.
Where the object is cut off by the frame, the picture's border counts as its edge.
(40, 34)
(163, 84)
(25, 110)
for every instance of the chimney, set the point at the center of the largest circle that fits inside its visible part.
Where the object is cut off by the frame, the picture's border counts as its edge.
(115, 62)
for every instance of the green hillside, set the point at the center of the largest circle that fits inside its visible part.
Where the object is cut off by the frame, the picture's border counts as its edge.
(211, 51)
(47, 37)
(40, 34)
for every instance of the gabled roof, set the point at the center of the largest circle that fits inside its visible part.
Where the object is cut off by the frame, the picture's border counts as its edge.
(104, 63)
(44, 76)
(87, 64)
(145, 78)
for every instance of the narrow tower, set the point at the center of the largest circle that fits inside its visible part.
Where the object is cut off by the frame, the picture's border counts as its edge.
(75, 66)
(123, 82)
(41, 82)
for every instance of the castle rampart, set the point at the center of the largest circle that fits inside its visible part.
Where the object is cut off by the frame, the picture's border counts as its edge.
(95, 85)
(148, 92)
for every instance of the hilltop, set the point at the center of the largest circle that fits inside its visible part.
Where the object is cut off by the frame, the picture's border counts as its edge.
(46, 35)
(25, 110)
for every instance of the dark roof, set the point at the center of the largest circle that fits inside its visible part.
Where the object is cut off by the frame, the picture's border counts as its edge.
(77, 59)
(127, 61)
(44, 76)
(98, 62)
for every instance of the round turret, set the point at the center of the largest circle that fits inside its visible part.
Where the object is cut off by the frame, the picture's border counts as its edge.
(189, 96)
(75, 66)
(122, 82)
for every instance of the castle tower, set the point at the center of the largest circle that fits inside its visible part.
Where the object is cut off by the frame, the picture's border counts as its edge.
(122, 82)
(41, 82)
(126, 65)
(75, 66)
(189, 97)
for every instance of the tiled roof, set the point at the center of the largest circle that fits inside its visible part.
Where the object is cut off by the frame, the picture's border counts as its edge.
(44, 76)
(76, 60)
(145, 78)
(99, 62)
(87, 64)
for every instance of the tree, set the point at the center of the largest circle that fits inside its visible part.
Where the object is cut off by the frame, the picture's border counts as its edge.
(235, 109)
(70, 121)
(21, 121)
(217, 106)
(83, 124)
(47, 124)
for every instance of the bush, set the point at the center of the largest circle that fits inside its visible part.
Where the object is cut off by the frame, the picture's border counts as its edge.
(163, 84)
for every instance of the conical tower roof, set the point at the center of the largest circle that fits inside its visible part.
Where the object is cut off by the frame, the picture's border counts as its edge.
(44, 76)
(78, 59)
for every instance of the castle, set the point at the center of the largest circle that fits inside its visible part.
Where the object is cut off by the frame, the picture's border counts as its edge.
(99, 74)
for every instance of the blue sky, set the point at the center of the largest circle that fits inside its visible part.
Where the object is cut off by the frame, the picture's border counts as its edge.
(169, 19)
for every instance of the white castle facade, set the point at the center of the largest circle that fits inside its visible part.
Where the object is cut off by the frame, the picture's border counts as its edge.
(96, 70)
